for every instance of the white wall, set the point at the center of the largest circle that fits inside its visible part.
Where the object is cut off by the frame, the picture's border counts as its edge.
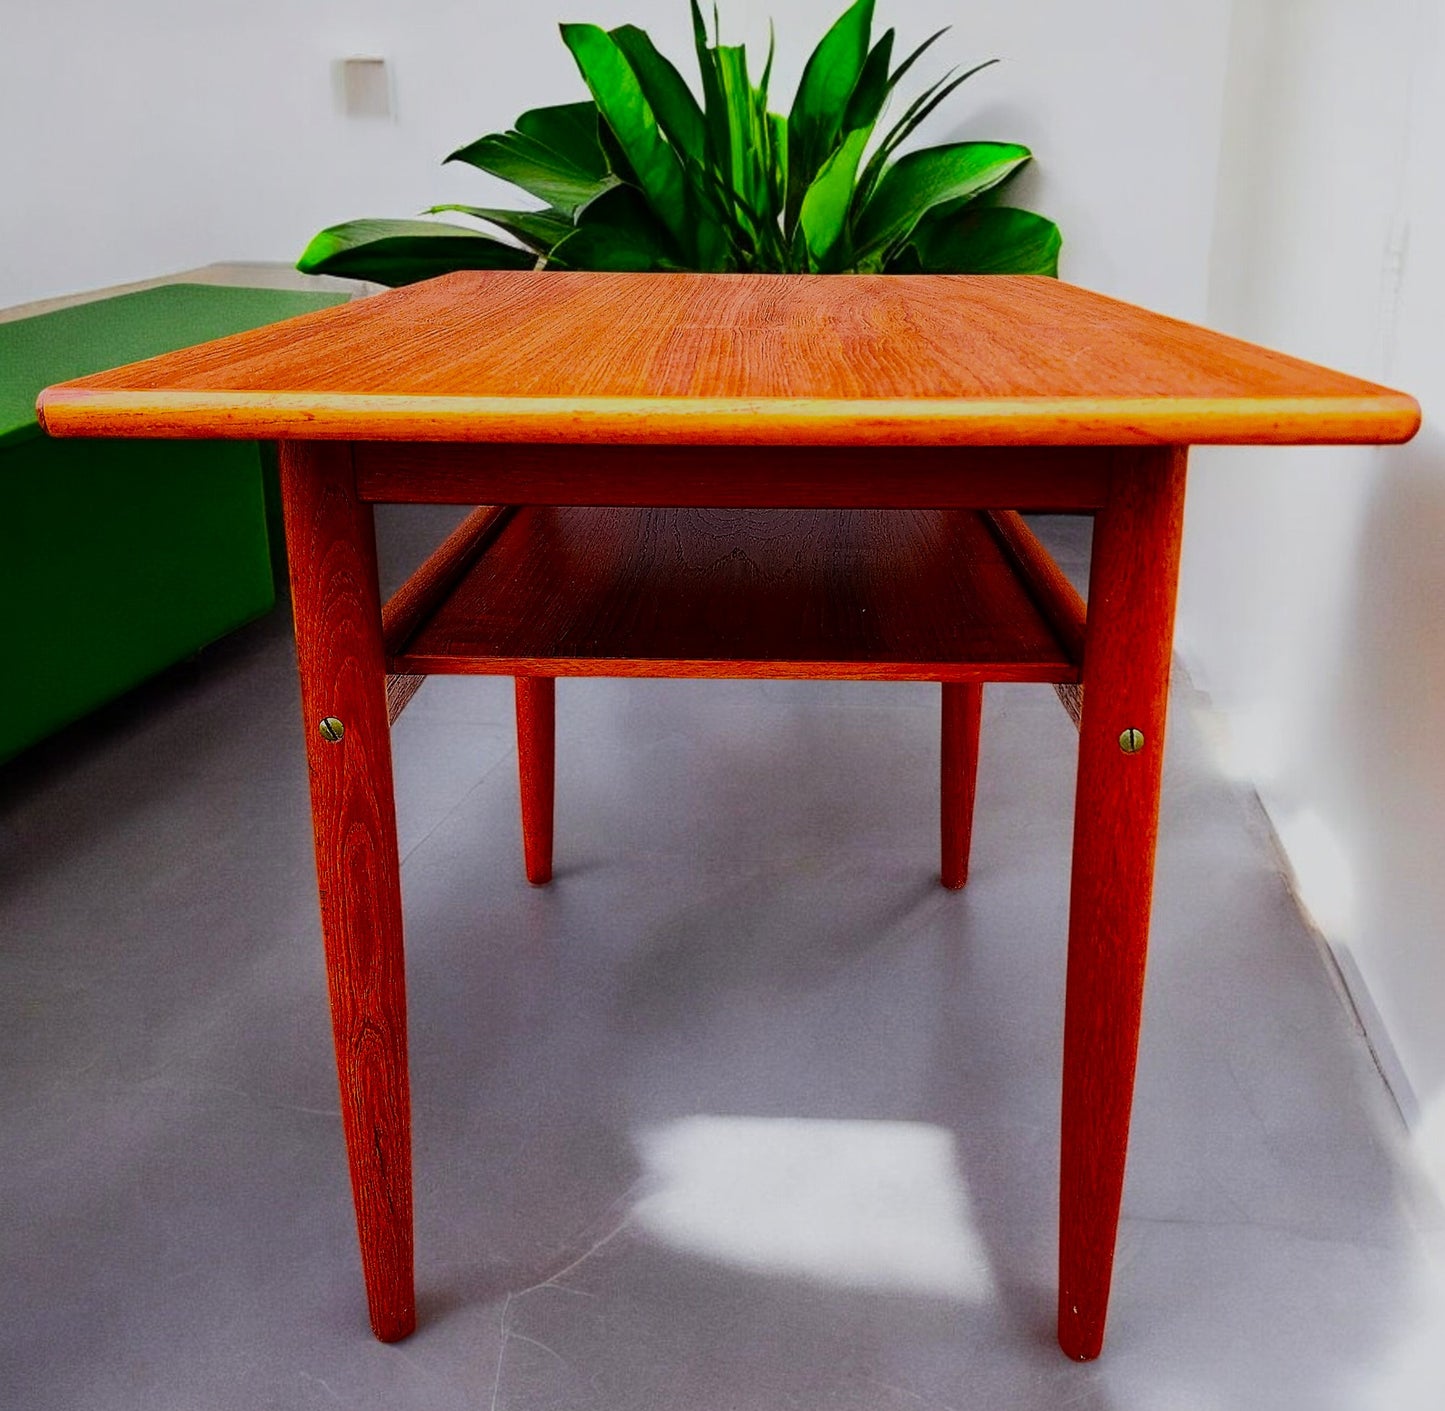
(1313, 605)
(142, 138)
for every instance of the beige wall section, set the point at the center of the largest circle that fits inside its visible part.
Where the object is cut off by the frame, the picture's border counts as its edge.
(151, 137)
(1313, 608)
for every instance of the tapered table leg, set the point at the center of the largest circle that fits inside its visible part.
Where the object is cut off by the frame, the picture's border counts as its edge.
(962, 712)
(537, 769)
(1127, 652)
(331, 544)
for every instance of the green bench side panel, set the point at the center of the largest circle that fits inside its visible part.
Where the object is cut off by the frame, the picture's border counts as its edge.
(119, 558)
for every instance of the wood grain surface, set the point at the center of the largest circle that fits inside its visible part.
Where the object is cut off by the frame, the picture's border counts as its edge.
(895, 595)
(331, 547)
(537, 771)
(1057, 598)
(400, 692)
(1132, 579)
(418, 597)
(421, 592)
(962, 713)
(734, 359)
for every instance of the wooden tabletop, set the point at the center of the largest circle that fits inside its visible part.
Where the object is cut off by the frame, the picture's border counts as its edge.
(734, 359)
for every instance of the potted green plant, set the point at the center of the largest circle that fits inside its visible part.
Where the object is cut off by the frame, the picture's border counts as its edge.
(645, 176)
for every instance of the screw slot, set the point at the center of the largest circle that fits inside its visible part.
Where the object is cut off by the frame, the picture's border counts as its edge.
(1131, 741)
(332, 729)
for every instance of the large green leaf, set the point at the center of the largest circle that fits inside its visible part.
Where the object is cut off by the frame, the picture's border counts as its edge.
(724, 234)
(715, 108)
(618, 231)
(671, 100)
(537, 230)
(569, 129)
(866, 101)
(825, 204)
(915, 56)
(740, 107)
(829, 78)
(542, 171)
(778, 146)
(921, 108)
(405, 251)
(626, 111)
(617, 157)
(990, 240)
(823, 216)
(920, 181)
(770, 143)
(734, 180)
(903, 260)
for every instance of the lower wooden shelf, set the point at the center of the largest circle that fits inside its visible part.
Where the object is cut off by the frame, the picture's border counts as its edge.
(889, 594)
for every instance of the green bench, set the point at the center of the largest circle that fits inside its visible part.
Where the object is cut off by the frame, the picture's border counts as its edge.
(118, 558)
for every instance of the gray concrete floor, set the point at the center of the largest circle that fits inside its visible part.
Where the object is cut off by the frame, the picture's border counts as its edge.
(743, 1111)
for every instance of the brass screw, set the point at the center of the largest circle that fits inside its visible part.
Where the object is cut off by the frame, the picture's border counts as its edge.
(332, 729)
(1131, 741)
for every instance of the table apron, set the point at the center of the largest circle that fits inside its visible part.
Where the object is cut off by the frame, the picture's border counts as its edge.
(1061, 478)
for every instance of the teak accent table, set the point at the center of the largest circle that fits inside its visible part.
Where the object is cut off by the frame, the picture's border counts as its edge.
(958, 400)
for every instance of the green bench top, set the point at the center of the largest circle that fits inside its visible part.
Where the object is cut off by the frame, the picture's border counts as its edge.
(123, 328)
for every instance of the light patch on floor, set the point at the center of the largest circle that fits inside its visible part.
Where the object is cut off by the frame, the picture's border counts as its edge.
(1324, 879)
(868, 1205)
